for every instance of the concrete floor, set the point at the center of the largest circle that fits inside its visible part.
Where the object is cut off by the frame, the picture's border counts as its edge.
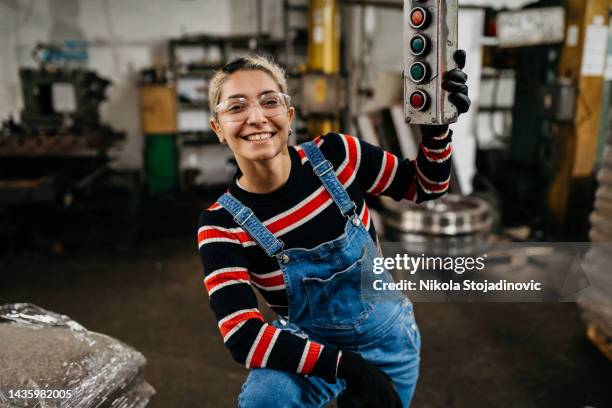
(151, 297)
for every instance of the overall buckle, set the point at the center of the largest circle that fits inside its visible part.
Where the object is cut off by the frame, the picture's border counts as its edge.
(327, 167)
(238, 216)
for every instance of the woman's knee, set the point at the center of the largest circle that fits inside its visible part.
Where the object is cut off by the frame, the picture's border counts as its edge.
(270, 388)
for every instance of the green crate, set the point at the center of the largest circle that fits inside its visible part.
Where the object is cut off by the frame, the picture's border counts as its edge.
(161, 163)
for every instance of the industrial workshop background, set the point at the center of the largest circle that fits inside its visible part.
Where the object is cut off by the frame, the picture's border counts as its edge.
(107, 158)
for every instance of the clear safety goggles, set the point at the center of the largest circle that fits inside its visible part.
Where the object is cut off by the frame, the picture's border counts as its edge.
(237, 109)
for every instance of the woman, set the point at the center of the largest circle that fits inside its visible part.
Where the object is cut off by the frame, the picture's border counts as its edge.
(294, 224)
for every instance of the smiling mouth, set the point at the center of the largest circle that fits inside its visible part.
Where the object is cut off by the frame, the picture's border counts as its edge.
(259, 137)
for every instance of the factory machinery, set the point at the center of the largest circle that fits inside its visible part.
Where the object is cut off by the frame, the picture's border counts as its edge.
(55, 179)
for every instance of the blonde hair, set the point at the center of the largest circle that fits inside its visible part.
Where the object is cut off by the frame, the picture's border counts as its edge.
(248, 63)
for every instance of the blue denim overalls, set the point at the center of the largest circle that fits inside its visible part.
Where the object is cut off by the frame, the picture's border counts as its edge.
(331, 301)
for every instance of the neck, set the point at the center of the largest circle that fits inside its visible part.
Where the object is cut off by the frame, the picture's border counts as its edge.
(265, 176)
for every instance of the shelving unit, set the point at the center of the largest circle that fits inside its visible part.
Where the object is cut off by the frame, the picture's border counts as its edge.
(193, 61)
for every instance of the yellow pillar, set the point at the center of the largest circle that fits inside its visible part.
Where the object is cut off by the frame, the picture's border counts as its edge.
(323, 52)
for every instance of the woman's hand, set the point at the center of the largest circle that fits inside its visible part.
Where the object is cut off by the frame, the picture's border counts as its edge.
(367, 383)
(455, 83)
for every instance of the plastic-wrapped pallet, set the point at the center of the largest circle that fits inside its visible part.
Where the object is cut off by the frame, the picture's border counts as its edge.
(596, 302)
(49, 360)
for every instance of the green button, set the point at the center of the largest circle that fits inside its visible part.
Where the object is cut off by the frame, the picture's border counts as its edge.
(418, 45)
(417, 72)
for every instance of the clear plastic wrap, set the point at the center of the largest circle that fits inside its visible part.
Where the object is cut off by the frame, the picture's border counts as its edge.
(596, 300)
(49, 360)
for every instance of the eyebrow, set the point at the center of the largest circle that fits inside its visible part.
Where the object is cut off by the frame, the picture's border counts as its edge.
(244, 96)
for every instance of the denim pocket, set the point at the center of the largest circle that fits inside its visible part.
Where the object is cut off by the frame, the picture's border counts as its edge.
(336, 302)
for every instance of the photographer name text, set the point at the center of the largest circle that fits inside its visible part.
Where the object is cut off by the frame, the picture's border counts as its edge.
(464, 285)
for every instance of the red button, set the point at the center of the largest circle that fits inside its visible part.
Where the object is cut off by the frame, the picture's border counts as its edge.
(417, 17)
(418, 100)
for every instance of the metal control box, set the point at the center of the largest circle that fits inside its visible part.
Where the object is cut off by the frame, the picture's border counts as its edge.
(430, 40)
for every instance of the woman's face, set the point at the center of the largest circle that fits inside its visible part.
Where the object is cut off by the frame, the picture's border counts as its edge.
(268, 134)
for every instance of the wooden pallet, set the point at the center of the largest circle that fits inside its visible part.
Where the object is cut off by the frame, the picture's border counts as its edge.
(600, 340)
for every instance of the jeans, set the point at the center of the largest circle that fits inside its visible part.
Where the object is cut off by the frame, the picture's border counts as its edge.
(397, 353)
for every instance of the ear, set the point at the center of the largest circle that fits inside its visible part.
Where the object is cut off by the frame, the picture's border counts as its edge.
(216, 127)
(291, 114)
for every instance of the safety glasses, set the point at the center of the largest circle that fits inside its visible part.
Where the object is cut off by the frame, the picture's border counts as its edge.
(237, 109)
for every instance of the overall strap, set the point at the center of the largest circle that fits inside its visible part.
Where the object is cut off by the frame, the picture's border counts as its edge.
(244, 217)
(325, 171)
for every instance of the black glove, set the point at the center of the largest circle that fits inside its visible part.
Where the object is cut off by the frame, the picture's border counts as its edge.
(454, 82)
(367, 383)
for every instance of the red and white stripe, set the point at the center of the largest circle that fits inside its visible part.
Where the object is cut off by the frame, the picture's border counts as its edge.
(320, 199)
(262, 346)
(364, 215)
(303, 211)
(316, 202)
(385, 175)
(430, 186)
(231, 323)
(224, 277)
(437, 155)
(269, 281)
(317, 140)
(347, 171)
(300, 213)
(278, 225)
(309, 358)
(214, 207)
(209, 234)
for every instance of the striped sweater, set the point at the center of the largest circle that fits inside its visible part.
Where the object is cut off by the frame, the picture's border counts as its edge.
(302, 214)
